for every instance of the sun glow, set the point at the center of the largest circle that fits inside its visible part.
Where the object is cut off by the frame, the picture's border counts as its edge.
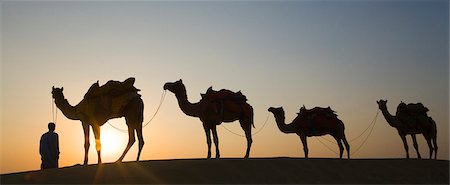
(112, 143)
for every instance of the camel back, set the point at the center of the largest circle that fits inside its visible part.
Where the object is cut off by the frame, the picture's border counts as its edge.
(112, 89)
(317, 111)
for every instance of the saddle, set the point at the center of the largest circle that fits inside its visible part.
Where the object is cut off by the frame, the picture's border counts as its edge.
(412, 108)
(112, 88)
(223, 94)
(317, 111)
(412, 113)
(226, 99)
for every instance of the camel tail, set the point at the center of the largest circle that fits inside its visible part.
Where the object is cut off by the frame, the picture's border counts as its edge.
(252, 121)
(434, 137)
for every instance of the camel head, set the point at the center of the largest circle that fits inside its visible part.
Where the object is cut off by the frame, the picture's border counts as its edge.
(277, 112)
(57, 92)
(175, 87)
(382, 104)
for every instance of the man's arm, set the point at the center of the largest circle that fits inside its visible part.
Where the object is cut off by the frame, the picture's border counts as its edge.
(41, 145)
(57, 145)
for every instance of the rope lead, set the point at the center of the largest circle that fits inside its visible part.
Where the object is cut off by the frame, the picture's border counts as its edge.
(151, 119)
(265, 122)
(371, 126)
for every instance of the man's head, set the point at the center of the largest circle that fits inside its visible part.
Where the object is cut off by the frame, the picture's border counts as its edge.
(51, 126)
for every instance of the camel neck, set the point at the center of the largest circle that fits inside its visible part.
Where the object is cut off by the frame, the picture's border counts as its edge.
(187, 107)
(285, 128)
(68, 110)
(388, 116)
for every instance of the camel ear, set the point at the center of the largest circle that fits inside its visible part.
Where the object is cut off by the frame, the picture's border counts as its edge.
(181, 80)
(202, 95)
(209, 89)
(62, 88)
(53, 88)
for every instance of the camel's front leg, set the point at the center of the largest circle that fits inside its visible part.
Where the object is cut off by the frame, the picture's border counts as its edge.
(405, 145)
(208, 140)
(86, 142)
(416, 146)
(216, 141)
(305, 144)
(98, 145)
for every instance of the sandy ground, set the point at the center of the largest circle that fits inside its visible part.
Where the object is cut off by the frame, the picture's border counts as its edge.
(240, 171)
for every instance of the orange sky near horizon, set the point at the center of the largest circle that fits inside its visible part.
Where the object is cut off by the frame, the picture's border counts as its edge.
(346, 55)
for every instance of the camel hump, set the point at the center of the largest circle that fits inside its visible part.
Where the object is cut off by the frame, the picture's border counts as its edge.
(112, 88)
(224, 94)
(318, 111)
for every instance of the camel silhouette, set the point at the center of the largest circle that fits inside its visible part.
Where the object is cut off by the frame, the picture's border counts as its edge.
(214, 108)
(412, 125)
(314, 122)
(113, 100)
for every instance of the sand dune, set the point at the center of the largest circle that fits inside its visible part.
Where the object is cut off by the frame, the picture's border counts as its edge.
(240, 171)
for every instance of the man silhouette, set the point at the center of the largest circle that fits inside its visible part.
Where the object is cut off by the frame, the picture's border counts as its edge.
(49, 148)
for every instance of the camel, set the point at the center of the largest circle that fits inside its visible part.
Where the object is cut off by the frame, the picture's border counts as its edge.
(315, 122)
(101, 104)
(426, 127)
(213, 109)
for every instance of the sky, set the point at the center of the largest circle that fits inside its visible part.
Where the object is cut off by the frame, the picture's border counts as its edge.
(342, 54)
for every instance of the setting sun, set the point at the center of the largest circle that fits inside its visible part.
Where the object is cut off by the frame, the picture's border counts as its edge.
(113, 141)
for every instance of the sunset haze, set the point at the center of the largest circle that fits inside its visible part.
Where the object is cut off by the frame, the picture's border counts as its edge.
(342, 54)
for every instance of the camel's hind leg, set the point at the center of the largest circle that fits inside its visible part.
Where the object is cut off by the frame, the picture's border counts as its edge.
(435, 147)
(344, 139)
(347, 146)
(430, 146)
(131, 141)
(134, 116)
(341, 147)
(434, 137)
(247, 127)
(141, 141)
